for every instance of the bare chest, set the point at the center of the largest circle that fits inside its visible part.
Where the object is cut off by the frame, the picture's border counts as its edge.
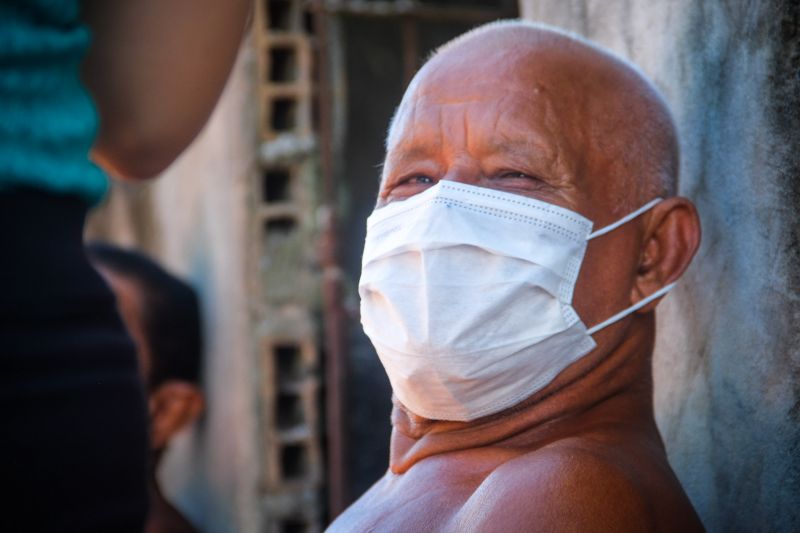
(427, 499)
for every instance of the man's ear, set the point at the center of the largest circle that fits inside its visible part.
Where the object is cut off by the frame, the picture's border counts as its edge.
(672, 237)
(173, 405)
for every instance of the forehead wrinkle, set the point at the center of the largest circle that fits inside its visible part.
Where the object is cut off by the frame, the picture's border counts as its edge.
(438, 138)
(441, 140)
(429, 103)
(404, 145)
(449, 92)
(539, 137)
(430, 98)
(465, 126)
(604, 124)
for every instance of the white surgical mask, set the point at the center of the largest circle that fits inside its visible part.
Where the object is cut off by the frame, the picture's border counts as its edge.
(466, 294)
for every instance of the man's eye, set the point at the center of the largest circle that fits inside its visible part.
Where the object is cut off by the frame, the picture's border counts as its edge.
(516, 178)
(517, 175)
(408, 187)
(418, 180)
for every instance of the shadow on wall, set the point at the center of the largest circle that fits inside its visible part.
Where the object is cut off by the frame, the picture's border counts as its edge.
(727, 364)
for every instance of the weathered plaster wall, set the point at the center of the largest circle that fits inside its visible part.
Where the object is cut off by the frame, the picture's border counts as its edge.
(193, 219)
(727, 364)
(200, 200)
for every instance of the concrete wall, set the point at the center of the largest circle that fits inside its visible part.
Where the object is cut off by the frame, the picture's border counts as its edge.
(194, 219)
(727, 364)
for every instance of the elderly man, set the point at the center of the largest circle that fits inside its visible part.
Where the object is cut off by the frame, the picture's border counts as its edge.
(525, 228)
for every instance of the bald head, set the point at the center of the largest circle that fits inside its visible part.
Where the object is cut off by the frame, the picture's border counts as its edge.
(535, 112)
(597, 121)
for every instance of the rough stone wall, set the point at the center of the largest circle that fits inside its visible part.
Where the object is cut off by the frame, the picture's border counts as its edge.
(727, 363)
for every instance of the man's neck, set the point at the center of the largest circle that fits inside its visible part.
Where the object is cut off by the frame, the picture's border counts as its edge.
(611, 389)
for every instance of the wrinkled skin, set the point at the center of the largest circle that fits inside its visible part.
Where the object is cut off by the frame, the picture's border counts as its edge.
(537, 114)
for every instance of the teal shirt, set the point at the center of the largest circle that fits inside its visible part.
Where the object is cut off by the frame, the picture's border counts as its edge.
(48, 122)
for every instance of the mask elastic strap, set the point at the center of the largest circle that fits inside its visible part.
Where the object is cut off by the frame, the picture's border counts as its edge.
(635, 307)
(623, 220)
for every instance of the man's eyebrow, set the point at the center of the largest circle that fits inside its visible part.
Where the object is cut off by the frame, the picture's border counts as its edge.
(406, 155)
(540, 155)
(527, 149)
(522, 147)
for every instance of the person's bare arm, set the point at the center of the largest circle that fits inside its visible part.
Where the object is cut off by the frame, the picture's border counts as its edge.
(155, 69)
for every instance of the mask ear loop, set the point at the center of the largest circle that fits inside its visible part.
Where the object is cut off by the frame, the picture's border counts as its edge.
(635, 307)
(623, 220)
(638, 305)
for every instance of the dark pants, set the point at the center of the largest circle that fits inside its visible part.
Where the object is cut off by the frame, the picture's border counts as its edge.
(73, 442)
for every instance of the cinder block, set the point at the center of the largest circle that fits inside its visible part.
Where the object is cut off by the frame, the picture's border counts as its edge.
(294, 462)
(281, 15)
(285, 110)
(277, 185)
(290, 414)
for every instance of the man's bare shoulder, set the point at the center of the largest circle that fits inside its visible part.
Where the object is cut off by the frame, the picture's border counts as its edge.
(571, 485)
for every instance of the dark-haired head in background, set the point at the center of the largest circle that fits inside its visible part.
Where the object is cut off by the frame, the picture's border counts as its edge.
(161, 313)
